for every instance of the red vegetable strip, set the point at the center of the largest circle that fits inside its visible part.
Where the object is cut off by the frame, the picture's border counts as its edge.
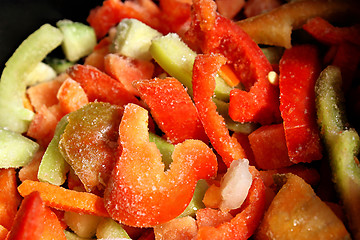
(205, 67)
(244, 224)
(139, 192)
(216, 34)
(325, 32)
(100, 86)
(9, 197)
(29, 221)
(172, 109)
(36, 221)
(65, 199)
(299, 70)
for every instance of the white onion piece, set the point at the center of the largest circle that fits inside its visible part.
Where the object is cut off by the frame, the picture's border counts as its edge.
(235, 185)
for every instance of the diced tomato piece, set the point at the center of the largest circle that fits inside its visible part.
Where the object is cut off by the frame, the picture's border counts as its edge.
(269, 147)
(100, 86)
(205, 67)
(172, 109)
(139, 180)
(9, 197)
(299, 70)
(127, 70)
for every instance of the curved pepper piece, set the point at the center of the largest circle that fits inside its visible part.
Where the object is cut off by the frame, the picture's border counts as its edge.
(205, 68)
(100, 86)
(172, 108)
(244, 224)
(216, 34)
(140, 193)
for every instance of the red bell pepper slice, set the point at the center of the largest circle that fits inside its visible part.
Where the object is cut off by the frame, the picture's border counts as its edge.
(326, 33)
(217, 34)
(9, 197)
(172, 109)
(100, 86)
(176, 13)
(113, 11)
(35, 221)
(139, 192)
(205, 67)
(299, 70)
(244, 224)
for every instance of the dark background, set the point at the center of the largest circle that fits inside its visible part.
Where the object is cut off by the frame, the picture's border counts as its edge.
(19, 18)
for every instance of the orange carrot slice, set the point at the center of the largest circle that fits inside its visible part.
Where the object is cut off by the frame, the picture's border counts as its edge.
(228, 75)
(65, 199)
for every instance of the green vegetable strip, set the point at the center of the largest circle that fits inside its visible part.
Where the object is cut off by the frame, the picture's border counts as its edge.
(177, 59)
(15, 149)
(13, 85)
(53, 167)
(342, 144)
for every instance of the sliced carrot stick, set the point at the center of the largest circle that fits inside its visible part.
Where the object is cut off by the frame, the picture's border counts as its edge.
(228, 75)
(65, 199)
